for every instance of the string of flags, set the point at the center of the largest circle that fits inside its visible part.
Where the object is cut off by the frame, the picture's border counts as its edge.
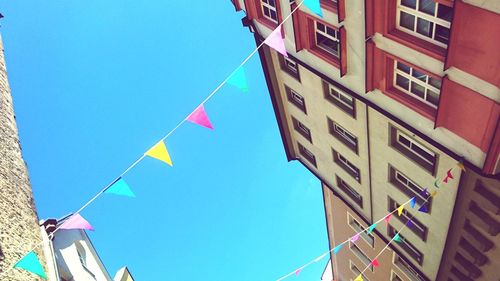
(159, 151)
(386, 218)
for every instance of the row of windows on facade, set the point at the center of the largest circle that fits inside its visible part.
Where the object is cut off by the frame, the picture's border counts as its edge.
(424, 19)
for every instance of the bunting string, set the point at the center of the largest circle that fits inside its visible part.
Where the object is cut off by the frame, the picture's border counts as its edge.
(236, 77)
(370, 228)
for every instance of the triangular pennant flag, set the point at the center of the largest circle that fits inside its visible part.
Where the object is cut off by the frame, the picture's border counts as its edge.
(160, 152)
(412, 202)
(297, 272)
(337, 249)
(76, 222)
(400, 209)
(320, 258)
(375, 263)
(423, 209)
(120, 187)
(387, 218)
(396, 238)
(409, 223)
(372, 227)
(436, 184)
(31, 263)
(461, 165)
(433, 194)
(239, 79)
(359, 278)
(449, 176)
(314, 6)
(355, 238)
(200, 117)
(425, 193)
(275, 41)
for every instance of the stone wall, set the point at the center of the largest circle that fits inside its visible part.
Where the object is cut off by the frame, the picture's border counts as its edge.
(19, 230)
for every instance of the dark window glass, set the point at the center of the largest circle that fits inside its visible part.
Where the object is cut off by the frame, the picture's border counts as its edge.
(425, 27)
(444, 12)
(427, 6)
(296, 99)
(406, 246)
(308, 155)
(302, 129)
(442, 34)
(407, 20)
(353, 194)
(409, 3)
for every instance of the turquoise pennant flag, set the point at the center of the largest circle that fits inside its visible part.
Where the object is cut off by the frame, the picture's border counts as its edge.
(239, 80)
(120, 187)
(314, 6)
(337, 249)
(372, 227)
(396, 238)
(412, 202)
(31, 263)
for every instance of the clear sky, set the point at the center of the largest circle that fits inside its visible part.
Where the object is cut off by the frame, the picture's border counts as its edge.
(96, 83)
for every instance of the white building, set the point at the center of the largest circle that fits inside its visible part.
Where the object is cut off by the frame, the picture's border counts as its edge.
(72, 257)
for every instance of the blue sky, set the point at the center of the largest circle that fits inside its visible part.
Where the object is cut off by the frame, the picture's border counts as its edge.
(96, 83)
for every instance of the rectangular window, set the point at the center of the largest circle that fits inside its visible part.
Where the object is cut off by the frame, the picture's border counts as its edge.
(346, 165)
(409, 188)
(406, 246)
(302, 129)
(362, 257)
(289, 66)
(425, 19)
(340, 99)
(327, 39)
(308, 155)
(408, 269)
(296, 99)
(269, 10)
(356, 270)
(423, 156)
(417, 84)
(358, 228)
(343, 135)
(417, 227)
(395, 277)
(353, 194)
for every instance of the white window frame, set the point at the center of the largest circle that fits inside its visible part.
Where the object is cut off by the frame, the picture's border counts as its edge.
(349, 165)
(291, 65)
(417, 14)
(331, 93)
(414, 143)
(266, 4)
(396, 173)
(345, 134)
(325, 34)
(394, 276)
(426, 85)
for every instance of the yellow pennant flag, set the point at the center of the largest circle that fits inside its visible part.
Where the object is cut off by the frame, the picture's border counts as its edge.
(461, 166)
(434, 193)
(400, 210)
(359, 278)
(159, 151)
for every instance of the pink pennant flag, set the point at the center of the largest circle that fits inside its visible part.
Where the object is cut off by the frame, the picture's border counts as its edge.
(387, 218)
(449, 176)
(355, 238)
(76, 222)
(199, 116)
(297, 272)
(375, 263)
(275, 41)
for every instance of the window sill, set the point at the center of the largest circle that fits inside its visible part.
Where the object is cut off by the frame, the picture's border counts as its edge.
(324, 55)
(418, 44)
(267, 22)
(421, 108)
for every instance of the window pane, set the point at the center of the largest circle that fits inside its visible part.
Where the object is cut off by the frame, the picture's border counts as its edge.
(442, 34)
(417, 89)
(424, 27)
(409, 3)
(435, 82)
(427, 6)
(404, 67)
(432, 97)
(419, 75)
(404, 141)
(444, 12)
(331, 32)
(402, 82)
(320, 26)
(272, 3)
(407, 20)
(327, 44)
(273, 15)
(266, 12)
(347, 100)
(423, 153)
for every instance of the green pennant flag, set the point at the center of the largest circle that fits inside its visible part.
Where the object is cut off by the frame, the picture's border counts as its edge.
(397, 238)
(372, 227)
(31, 263)
(239, 79)
(120, 187)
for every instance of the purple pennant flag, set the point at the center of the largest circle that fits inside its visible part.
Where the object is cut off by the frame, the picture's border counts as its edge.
(409, 223)
(423, 209)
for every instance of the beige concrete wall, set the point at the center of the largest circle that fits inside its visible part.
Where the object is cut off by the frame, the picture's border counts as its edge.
(19, 230)
(438, 220)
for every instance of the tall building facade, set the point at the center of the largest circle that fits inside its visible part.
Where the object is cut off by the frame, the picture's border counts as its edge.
(378, 99)
(19, 230)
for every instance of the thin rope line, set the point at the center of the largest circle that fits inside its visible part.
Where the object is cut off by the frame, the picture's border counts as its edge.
(163, 138)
